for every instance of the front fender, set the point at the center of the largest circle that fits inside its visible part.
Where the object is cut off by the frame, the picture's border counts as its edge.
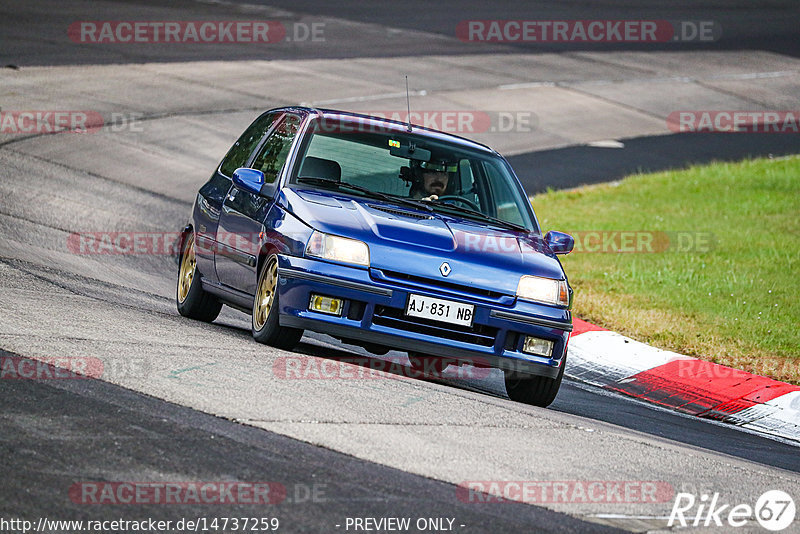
(284, 233)
(178, 246)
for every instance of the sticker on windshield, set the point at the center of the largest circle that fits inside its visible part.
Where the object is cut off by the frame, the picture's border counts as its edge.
(393, 143)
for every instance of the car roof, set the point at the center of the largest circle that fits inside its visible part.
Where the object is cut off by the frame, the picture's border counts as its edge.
(393, 124)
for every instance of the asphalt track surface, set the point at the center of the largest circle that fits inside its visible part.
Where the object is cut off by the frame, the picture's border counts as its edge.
(744, 25)
(36, 32)
(56, 433)
(138, 434)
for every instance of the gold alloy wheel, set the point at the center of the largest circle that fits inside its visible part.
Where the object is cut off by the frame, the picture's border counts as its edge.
(265, 295)
(186, 275)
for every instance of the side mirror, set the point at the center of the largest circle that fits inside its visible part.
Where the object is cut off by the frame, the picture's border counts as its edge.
(559, 242)
(251, 180)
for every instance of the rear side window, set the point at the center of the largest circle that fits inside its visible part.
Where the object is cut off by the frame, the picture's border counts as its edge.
(247, 143)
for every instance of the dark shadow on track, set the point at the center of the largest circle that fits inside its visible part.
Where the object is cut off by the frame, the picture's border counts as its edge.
(564, 168)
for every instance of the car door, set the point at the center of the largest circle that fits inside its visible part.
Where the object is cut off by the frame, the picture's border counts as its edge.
(243, 212)
(211, 196)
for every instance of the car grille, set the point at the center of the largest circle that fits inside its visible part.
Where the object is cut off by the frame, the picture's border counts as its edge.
(396, 318)
(441, 284)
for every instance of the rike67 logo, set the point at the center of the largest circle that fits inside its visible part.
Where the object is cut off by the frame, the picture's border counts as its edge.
(774, 510)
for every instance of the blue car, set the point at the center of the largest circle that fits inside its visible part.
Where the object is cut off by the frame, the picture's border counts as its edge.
(385, 235)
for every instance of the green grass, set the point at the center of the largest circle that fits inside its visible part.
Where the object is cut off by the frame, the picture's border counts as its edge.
(736, 303)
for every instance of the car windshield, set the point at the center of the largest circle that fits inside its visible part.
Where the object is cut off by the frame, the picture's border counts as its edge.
(413, 166)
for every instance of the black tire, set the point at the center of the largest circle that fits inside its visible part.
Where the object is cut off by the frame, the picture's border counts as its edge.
(190, 297)
(265, 325)
(534, 390)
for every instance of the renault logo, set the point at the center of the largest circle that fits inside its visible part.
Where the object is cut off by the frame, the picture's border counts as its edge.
(445, 269)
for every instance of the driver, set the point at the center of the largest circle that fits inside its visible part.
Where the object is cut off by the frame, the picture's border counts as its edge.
(432, 179)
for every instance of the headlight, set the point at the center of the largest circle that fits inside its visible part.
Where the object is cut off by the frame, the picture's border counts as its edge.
(335, 248)
(544, 290)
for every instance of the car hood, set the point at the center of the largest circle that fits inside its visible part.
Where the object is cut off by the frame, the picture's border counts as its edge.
(417, 243)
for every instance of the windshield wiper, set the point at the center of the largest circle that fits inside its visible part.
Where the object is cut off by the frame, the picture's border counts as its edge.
(470, 211)
(353, 187)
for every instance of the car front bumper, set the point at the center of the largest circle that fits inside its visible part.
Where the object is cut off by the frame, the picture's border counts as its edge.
(374, 313)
